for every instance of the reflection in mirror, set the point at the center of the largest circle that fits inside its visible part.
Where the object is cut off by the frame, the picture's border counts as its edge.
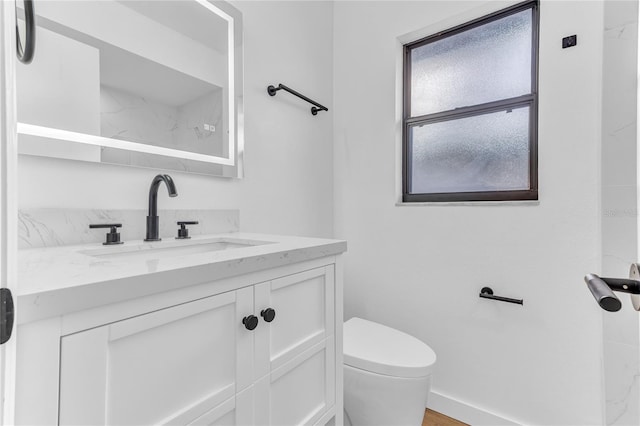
(144, 83)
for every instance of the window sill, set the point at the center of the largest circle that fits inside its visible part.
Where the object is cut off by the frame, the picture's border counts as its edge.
(469, 203)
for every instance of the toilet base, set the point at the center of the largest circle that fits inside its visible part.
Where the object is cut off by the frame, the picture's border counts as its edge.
(375, 399)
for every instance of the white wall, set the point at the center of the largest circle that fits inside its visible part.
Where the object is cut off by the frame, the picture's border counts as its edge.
(420, 268)
(288, 160)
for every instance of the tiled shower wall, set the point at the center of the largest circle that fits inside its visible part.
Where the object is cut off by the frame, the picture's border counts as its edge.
(128, 116)
(619, 208)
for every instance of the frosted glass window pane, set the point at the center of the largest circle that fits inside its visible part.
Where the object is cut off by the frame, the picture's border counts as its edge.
(479, 65)
(487, 152)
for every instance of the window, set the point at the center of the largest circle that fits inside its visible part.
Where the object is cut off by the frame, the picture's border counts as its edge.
(470, 111)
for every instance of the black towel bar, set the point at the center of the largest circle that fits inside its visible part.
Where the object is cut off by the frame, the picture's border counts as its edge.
(487, 293)
(271, 90)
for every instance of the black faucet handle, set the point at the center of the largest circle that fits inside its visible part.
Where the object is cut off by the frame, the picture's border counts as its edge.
(113, 236)
(183, 232)
(105, 225)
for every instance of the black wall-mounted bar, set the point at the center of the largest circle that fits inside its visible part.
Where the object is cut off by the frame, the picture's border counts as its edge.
(487, 293)
(272, 90)
(603, 288)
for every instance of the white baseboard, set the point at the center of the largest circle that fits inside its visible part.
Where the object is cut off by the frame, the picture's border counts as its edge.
(465, 412)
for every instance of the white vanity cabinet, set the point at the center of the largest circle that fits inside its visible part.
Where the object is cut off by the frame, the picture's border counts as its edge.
(170, 366)
(295, 352)
(195, 361)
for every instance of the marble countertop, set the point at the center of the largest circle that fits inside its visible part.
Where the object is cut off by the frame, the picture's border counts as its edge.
(57, 279)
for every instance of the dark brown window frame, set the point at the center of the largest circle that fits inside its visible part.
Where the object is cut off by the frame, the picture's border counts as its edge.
(530, 100)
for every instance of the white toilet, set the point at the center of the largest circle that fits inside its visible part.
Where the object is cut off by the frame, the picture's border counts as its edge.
(387, 375)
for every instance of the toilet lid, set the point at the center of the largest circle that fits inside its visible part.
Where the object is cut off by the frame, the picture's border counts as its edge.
(380, 349)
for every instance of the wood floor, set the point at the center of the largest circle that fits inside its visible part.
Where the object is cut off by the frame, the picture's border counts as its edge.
(433, 418)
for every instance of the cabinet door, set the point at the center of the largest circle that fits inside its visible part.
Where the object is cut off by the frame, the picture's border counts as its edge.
(299, 392)
(304, 316)
(166, 367)
(236, 411)
(295, 351)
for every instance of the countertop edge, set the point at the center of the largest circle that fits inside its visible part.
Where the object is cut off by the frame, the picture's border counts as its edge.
(59, 301)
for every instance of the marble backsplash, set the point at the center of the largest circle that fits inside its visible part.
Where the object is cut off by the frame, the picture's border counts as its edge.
(58, 227)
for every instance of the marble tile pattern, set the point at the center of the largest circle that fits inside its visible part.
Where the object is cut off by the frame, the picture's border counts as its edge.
(621, 329)
(61, 227)
(130, 117)
(134, 118)
(622, 379)
(152, 161)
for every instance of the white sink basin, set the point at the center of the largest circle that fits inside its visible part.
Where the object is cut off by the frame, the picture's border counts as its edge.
(169, 248)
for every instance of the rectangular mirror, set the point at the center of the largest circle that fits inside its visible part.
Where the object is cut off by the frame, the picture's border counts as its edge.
(143, 83)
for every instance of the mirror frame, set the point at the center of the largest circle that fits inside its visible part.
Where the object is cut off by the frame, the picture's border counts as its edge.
(190, 162)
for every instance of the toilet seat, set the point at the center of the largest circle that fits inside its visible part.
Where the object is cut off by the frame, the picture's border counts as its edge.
(380, 349)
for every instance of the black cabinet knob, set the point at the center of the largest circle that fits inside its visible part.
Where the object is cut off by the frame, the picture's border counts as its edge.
(250, 322)
(268, 314)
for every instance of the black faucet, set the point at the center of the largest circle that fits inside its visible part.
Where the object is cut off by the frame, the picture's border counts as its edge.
(153, 221)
